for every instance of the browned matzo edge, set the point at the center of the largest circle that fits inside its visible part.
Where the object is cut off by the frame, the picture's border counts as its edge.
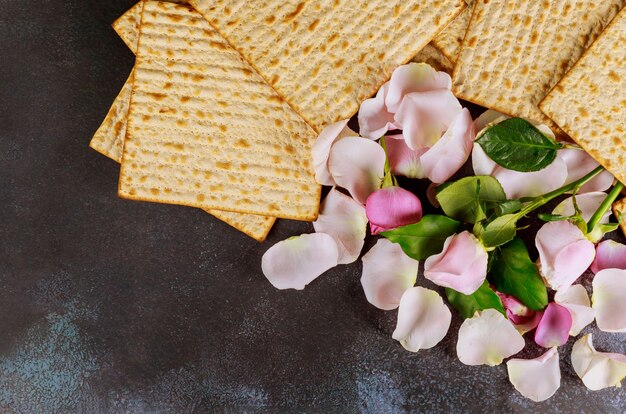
(263, 186)
(337, 95)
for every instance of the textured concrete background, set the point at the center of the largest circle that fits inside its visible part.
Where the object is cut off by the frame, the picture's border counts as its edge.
(116, 306)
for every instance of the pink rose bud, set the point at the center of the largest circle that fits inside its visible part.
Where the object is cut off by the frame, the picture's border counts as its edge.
(554, 327)
(392, 207)
(462, 265)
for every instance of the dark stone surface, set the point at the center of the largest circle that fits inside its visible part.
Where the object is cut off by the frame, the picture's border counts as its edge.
(109, 305)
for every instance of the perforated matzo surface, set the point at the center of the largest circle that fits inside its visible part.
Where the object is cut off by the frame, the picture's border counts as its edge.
(448, 41)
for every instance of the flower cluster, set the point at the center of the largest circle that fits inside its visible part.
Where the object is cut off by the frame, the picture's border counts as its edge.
(415, 127)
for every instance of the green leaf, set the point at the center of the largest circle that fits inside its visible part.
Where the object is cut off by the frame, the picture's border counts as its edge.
(499, 231)
(425, 238)
(552, 217)
(483, 298)
(513, 273)
(469, 198)
(517, 145)
(508, 207)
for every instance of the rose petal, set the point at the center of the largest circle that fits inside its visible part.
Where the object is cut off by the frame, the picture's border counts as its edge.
(423, 319)
(598, 370)
(564, 253)
(414, 77)
(392, 207)
(357, 164)
(403, 160)
(344, 220)
(387, 274)
(424, 116)
(536, 379)
(451, 152)
(523, 318)
(579, 164)
(576, 300)
(374, 118)
(609, 300)
(587, 203)
(488, 118)
(554, 326)
(321, 149)
(297, 261)
(461, 265)
(609, 255)
(487, 338)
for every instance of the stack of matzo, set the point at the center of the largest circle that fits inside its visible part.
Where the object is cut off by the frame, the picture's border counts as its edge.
(197, 125)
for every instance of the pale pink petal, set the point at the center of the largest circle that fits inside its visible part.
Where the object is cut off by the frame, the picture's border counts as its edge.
(609, 255)
(536, 379)
(403, 160)
(609, 300)
(344, 220)
(481, 163)
(588, 203)
(579, 164)
(564, 253)
(387, 273)
(321, 149)
(449, 154)
(576, 300)
(414, 77)
(424, 116)
(462, 265)
(487, 338)
(423, 319)
(392, 207)
(488, 118)
(554, 326)
(358, 165)
(374, 118)
(598, 370)
(297, 261)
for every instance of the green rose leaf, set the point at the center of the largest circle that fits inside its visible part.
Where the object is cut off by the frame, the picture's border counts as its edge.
(518, 145)
(512, 272)
(483, 298)
(425, 238)
(499, 231)
(469, 198)
(508, 207)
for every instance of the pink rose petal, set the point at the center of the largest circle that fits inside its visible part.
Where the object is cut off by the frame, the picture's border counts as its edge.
(374, 118)
(609, 255)
(423, 319)
(344, 220)
(403, 160)
(576, 300)
(449, 154)
(387, 274)
(414, 77)
(392, 207)
(357, 164)
(554, 327)
(598, 370)
(297, 261)
(579, 164)
(523, 318)
(536, 379)
(488, 118)
(609, 300)
(487, 338)
(462, 265)
(321, 149)
(564, 253)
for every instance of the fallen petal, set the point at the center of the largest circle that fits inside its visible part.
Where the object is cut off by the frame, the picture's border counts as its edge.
(576, 300)
(451, 152)
(524, 319)
(357, 164)
(579, 164)
(403, 160)
(598, 370)
(392, 207)
(487, 338)
(344, 220)
(564, 253)
(297, 261)
(609, 300)
(321, 149)
(536, 379)
(554, 326)
(587, 203)
(461, 265)
(387, 273)
(374, 118)
(423, 319)
(488, 118)
(609, 255)
(414, 77)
